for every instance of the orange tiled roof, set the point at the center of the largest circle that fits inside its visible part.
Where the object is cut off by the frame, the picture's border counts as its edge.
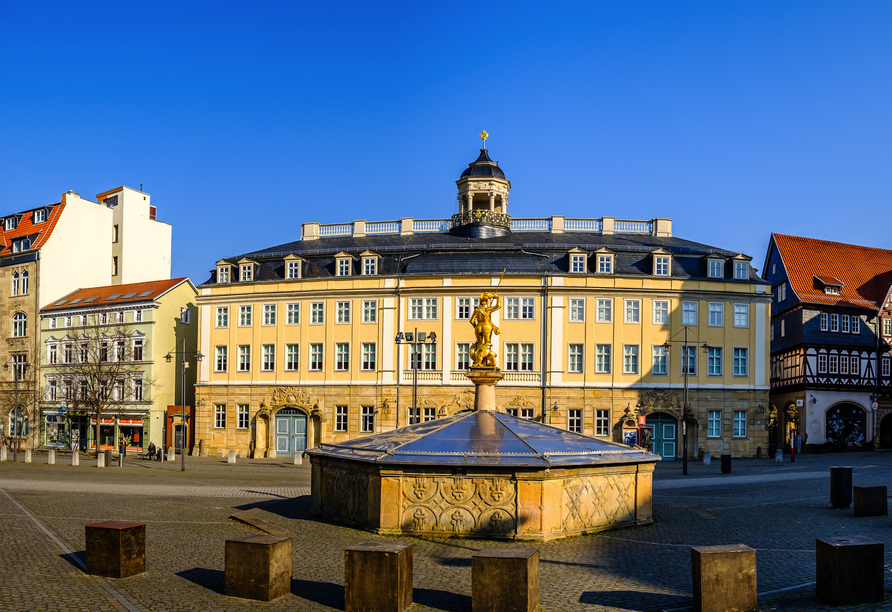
(94, 297)
(27, 227)
(863, 271)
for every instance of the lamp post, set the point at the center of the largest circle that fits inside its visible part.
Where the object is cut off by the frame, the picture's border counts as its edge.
(414, 339)
(18, 370)
(185, 364)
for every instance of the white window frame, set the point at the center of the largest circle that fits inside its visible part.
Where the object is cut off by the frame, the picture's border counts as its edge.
(219, 416)
(343, 267)
(739, 424)
(716, 268)
(689, 313)
(690, 361)
(244, 357)
(292, 357)
(369, 356)
(856, 324)
(462, 355)
(603, 357)
(577, 263)
(269, 314)
(575, 358)
(341, 415)
(577, 310)
(243, 416)
(631, 354)
(605, 264)
(342, 356)
(602, 423)
(370, 311)
(292, 313)
(741, 270)
(342, 312)
(741, 315)
(714, 424)
(317, 313)
(246, 273)
(822, 363)
(716, 314)
(741, 364)
(844, 324)
(887, 366)
(368, 419)
(317, 349)
(268, 357)
(574, 420)
(661, 312)
(294, 269)
(834, 322)
(370, 266)
(632, 311)
(714, 361)
(660, 366)
(245, 315)
(223, 275)
(662, 265)
(604, 310)
(833, 363)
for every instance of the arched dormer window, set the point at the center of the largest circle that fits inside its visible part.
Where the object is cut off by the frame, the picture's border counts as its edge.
(19, 325)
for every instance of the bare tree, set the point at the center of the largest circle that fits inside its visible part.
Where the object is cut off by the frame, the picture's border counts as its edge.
(99, 370)
(18, 389)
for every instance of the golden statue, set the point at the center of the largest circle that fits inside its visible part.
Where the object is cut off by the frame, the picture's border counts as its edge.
(484, 136)
(482, 355)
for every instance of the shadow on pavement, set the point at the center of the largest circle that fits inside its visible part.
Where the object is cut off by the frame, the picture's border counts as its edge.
(455, 561)
(77, 559)
(289, 508)
(442, 600)
(636, 601)
(211, 579)
(324, 593)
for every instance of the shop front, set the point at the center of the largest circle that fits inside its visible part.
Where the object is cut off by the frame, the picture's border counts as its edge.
(56, 429)
(115, 432)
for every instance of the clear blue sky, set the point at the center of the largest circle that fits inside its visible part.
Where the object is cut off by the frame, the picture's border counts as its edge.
(244, 120)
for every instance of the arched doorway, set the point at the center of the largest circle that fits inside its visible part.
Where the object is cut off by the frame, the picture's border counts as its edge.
(886, 432)
(791, 423)
(665, 438)
(772, 430)
(846, 425)
(291, 432)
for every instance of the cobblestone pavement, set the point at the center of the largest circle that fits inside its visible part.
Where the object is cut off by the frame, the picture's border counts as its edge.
(778, 509)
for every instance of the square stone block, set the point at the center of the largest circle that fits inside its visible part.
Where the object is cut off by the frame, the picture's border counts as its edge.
(841, 486)
(505, 580)
(116, 549)
(724, 578)
(871, 501)
(849, 570)
(258, 567)
(378, 577)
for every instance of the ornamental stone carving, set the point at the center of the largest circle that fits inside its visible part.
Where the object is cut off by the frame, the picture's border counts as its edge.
(658, 399)
(459, 505)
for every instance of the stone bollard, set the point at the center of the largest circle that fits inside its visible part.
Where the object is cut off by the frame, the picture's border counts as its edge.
(116, 549)
(298, 459)
(840, 486)
(171, 454)
(726, 464)
(100, 460)
(231, 458)
(258, 567)
(27, 455)
(849, 570)
(505, 579)
(724, 578)
(870, 501)
(778, 456)
(378, 576)
(51, 457)
(707, 458)
(758, 452)
(108, 458)
(3, 454)
(75, 457)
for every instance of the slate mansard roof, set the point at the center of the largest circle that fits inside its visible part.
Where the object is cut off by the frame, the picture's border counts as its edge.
(519, 253)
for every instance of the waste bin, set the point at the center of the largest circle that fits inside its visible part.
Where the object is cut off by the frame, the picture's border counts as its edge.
(108, 458)
(726, 464)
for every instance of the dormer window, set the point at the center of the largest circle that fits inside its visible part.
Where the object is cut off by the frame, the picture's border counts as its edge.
(716, 268)
(605, 264)
(662, 263)
(831, 290)
(578, 261)
(39, 216)
(246, 274)
(223, 274)
(293, 269)
(369, 266)
(22, 244)
(343, 264)
(11, 223)
(832, 285)
(741, 270)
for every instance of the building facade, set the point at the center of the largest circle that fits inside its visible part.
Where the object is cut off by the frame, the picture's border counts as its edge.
(103, 355)
(831, 320)
(310, 341)
(51, 250)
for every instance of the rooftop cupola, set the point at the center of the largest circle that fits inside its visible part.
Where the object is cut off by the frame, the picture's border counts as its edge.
(482, 199)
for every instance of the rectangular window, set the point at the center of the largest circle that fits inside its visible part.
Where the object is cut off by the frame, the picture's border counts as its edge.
(834, 322)
(317, 313)
(342, 356)
(429, 415)
(714, 361)
(887, 366)
(689, 313)
(512, 308)
(577, 310)
(526, 357)
(244, 316)
(714, 424)
(574, 421)
(604, 311)
(244, 358)
(343, 310)
(137, 390)
(578, 263)
(52, 354)
(824, 326)
(715, 268)
(368, 419)
(741, 270)
(602, 422)
(292, 357)
(660, 366)
(340, 418)
(430, 308)
(661, 265)
(605, 264)
(741, 315)
(52, 391)
(414, 416)
(855, 365)
(575, 360)
(661, 312)
(293, 269)
(369, 311)
(741, 362)
(630, 359)
(343, 267)
(602, 359)
(739, 423)
(843, 364)
(464, 306)
(40, 216)
(519, 308)
(834, 364)
(430, 356)
(138, 345)
(633, 311)
(856, 324)
(223, 274)
(844, 324)
(220, 416)
(717, 314)
(416, 308)
(292, 314)
(887, 327)
(243, 417)
(137, 316)
(247, 273)
(316, 357)
(691, 361)
(369, 361)
(370, 266)
(53, 323)
(269, 314)
(463, 355)
(512, 357)
(269, 357)
(822, 364)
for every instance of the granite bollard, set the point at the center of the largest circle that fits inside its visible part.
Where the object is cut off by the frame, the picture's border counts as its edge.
(378, 577)
(27, 455)
(51, 457)
(778, 456)
(505, 579)
(171, 454)
(3, 454)
(707, 458)
(724, 578)
(100, 460)
(231, 458)
(258, 567)
(849, 570)
(75, 457)
(116, 549)
(871, 501)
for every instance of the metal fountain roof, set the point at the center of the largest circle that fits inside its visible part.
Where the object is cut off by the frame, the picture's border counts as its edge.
(483, 438)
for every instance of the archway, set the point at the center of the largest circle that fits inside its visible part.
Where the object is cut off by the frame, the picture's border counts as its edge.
(846, 425)
(290, 432)
(665, 439)
(886, 432)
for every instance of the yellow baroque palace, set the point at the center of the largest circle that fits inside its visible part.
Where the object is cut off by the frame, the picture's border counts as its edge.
(363, 327)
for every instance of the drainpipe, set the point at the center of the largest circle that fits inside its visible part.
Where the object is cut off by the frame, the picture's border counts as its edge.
(399, 352)
(545, 315)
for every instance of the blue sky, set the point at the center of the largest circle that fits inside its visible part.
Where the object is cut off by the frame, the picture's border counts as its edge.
(244, 120)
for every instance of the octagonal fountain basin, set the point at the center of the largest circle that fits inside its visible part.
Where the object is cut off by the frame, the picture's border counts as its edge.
(482, 474)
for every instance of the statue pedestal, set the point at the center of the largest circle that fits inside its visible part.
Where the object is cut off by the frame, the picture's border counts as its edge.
(484, 380)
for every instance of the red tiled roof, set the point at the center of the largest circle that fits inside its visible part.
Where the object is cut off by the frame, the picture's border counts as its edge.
(27, 227)
(94, 297)
(863, 271)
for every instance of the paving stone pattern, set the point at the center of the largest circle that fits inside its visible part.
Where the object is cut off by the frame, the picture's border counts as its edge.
(777, 509)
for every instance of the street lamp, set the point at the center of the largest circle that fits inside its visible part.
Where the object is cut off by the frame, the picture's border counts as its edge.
(185, 364)
(18, 371)
(414, 338)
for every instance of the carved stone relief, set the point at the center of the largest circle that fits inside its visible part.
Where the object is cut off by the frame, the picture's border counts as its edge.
(345, 494)
(459, 505)
(463, 400)
(594, 503)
